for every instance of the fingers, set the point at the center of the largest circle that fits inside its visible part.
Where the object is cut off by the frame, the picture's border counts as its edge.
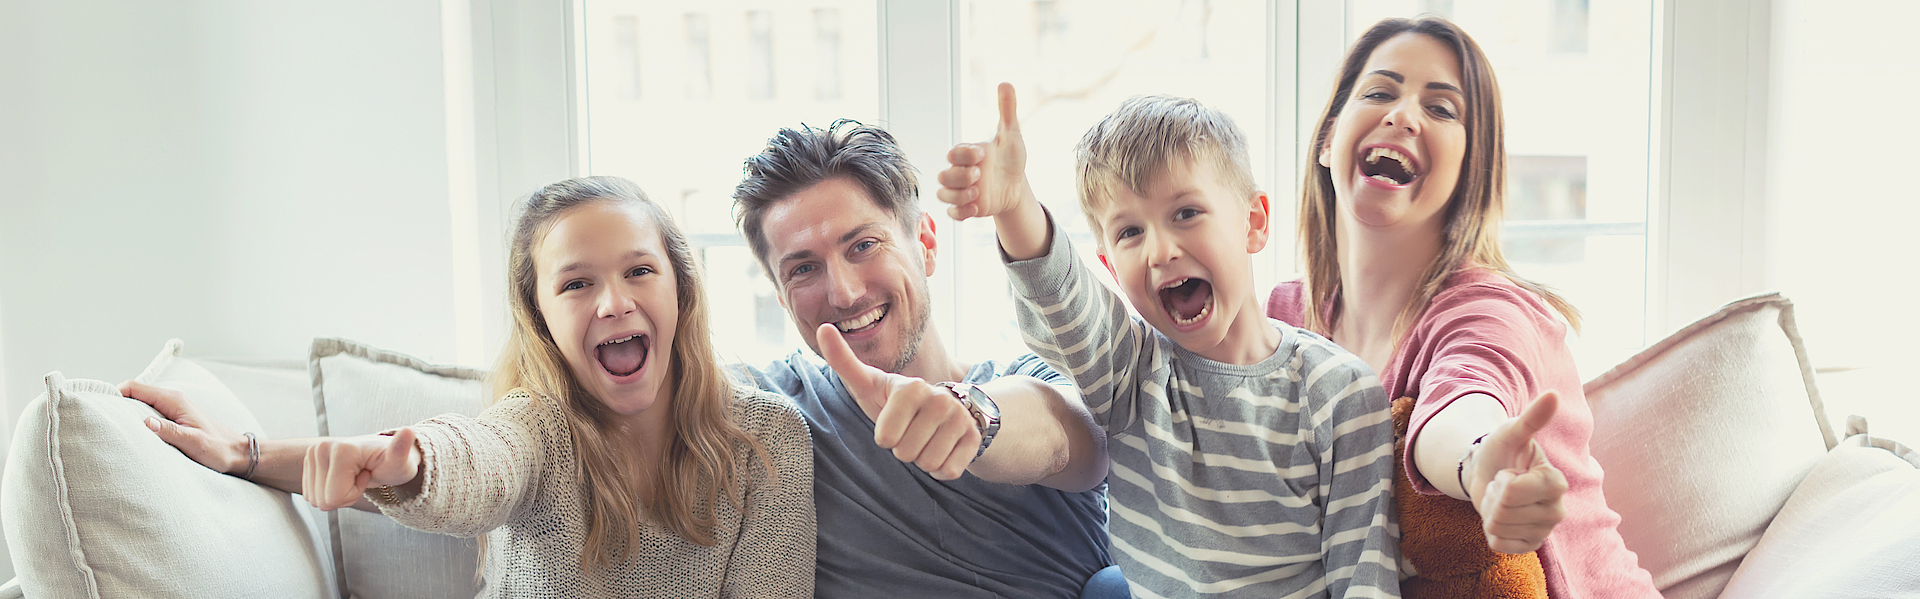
(1524, 509)
(1009, 109)
(959, 177)
(169, 402)
(866, 383)
(926, 427)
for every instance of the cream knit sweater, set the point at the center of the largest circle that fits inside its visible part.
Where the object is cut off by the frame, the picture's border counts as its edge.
(511, 474)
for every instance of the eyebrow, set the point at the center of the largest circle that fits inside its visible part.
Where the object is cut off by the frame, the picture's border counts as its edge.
(844, 238)
(584, 264)
(1398, 78)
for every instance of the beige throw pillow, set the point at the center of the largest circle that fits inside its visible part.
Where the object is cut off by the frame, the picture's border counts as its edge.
(1702, 438)
(96, 505)
(1852, 529)
(360, 390)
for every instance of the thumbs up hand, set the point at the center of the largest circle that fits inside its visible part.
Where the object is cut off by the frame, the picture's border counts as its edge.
(923, 424)
(988, 178)
(339, 469)
(1516, 490)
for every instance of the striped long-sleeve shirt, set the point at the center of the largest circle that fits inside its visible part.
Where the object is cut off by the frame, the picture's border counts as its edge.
(1262, 480)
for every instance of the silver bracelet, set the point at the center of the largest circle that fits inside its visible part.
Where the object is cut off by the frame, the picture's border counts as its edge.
(253, 456)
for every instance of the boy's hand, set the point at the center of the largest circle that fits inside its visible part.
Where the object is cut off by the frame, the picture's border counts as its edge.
(1520, 492)
(923, 424)
(339, 469)
(988, 178)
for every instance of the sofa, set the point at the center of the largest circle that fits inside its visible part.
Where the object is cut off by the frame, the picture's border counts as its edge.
(1718, 453)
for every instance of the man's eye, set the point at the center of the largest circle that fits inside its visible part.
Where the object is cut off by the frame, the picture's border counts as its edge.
(800, 270)
(865, 245)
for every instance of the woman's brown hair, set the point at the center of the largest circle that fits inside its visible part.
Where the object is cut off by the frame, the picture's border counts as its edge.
(1470, 234)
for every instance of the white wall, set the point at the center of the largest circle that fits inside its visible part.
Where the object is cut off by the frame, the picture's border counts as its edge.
(242, 175)
(1843, 211)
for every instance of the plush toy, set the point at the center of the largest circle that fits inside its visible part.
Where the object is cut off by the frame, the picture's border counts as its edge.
(1442, 538)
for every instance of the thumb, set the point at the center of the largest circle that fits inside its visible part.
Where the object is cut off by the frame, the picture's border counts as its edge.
(1515, 442)
(866, 383)
(392, 467)
(1009, 110)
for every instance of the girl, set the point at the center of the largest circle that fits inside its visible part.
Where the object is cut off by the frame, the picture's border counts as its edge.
(617, 435)
(1398, 221)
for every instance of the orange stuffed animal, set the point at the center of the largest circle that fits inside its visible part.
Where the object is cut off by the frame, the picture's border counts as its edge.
(1443, 539)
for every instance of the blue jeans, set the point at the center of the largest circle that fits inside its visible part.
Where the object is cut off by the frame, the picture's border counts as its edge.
(1106, 584)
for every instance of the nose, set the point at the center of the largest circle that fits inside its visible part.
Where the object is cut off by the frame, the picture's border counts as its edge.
(1161, 249)
(615, 301)
(844, 289)
(1406, 115)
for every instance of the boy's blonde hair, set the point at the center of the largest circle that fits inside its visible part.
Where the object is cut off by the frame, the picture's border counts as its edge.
(697, 469)
(1138, 142)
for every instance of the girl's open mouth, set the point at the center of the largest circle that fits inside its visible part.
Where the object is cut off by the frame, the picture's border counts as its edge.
(624, 356)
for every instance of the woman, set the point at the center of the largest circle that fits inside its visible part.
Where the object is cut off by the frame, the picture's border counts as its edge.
(617, 439)
(1398, 220)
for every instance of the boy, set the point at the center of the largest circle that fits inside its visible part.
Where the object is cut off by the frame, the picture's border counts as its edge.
(1249, 458)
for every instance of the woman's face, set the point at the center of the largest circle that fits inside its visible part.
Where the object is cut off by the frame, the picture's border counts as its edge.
(609, 295)
(1396, 148)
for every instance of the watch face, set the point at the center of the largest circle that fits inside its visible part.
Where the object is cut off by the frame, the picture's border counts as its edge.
(983, 402)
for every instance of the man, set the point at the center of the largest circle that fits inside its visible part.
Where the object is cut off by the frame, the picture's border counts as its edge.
(905, 507)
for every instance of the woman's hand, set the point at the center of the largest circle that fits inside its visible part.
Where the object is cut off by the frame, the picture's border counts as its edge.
(1516, 490)
(190, 430)
(338, 470)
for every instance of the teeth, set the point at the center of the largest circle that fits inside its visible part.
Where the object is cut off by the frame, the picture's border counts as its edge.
(1196, 318)
(1385, 179)
(861, 321)
(1175, 283)
(622, 340)
(1374, 155)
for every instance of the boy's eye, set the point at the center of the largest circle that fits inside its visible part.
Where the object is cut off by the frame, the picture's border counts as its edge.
(1126, 232)
(1186, 213)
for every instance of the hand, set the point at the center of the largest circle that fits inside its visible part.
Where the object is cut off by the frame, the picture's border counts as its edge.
(189, 430)
(338, 470)
(1513, 486)
(988, 178)
(923, 424)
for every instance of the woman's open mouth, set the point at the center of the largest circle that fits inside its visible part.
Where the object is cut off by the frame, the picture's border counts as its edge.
(1389, 166)
(625, 356)
(1187, 301)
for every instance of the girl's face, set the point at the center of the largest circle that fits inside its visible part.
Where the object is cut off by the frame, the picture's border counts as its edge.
(610, 299)
(1397, 146)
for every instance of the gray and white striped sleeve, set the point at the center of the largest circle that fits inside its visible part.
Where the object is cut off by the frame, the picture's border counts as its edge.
(1083, 330)
(1353, 433)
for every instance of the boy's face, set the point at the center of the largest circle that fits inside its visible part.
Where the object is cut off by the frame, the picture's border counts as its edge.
(1183, 255)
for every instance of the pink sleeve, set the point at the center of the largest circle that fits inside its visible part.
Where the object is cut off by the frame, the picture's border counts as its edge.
(1288, 303)
(1477, 338)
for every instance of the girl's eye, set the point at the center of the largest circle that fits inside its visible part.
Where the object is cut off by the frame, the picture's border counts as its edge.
(572, 285)
(1126, 232)
(640, 271)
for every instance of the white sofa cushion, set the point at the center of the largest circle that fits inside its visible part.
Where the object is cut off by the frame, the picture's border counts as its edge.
(1702, 438)
(96, 505)
(360, 390)
(1852, 529)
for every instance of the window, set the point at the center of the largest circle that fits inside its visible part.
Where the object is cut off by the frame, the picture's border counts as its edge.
(746, 75)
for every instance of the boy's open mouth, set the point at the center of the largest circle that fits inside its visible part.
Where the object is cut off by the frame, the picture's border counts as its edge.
(1187, 300)
(864, 322)
(624, 356)
(1389, 166)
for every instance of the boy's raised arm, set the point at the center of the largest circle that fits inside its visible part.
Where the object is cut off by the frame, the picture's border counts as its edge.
(990, 179)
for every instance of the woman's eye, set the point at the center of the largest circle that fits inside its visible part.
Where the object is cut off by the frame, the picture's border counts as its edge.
(1442, 111)
(1378, 96)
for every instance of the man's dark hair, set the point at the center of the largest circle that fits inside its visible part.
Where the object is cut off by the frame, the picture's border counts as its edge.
(796, 159)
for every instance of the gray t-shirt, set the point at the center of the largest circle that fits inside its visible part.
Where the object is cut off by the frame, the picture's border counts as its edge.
(887, 529)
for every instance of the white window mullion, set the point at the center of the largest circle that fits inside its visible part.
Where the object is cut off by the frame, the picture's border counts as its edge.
(918, 100)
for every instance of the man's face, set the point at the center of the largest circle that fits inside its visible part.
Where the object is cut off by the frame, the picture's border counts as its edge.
(836, 257)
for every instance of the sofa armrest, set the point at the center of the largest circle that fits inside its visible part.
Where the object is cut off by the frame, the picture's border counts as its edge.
(12, 590)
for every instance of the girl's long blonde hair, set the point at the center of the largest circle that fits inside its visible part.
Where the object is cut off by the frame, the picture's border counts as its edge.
(697, 468)
(1471, 233)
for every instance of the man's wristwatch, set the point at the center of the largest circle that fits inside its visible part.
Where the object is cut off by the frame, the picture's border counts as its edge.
(986, 415)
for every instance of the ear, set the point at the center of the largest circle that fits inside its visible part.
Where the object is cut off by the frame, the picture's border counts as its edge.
(1259, 223)
(1326, 139)
(1109, 265)
(929, 241)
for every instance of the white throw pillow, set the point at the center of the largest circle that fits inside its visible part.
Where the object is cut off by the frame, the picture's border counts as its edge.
(1702, 438)
(96, 505)
(1852, 529)
(359, 390)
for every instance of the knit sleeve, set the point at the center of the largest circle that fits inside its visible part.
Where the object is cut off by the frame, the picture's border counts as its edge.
(775, 554)
(480, 472)
(1083, 330)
